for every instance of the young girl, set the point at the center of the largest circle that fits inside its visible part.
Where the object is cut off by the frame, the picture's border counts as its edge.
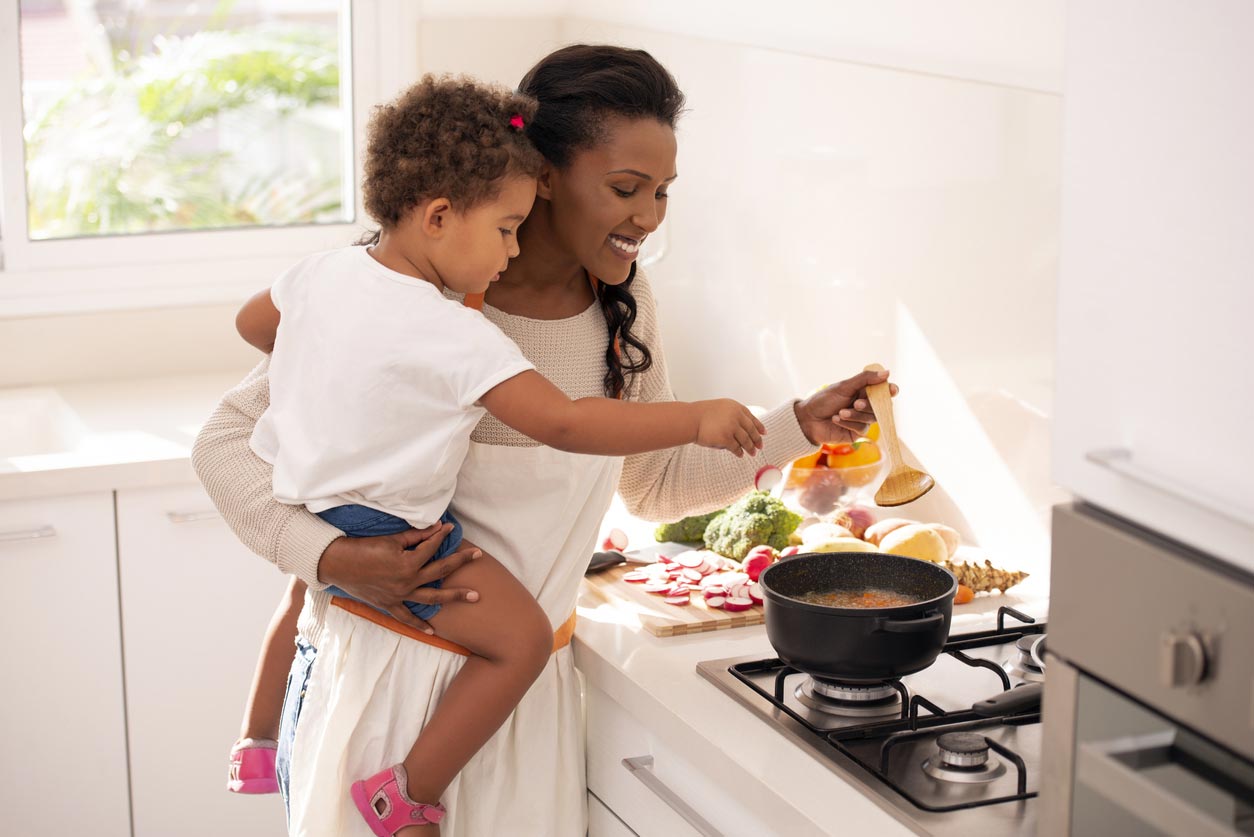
(367, 345)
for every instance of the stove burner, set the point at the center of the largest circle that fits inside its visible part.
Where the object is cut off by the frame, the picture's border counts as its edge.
(852, 700)
(963, 757)
(859, 692)
(1028, 664)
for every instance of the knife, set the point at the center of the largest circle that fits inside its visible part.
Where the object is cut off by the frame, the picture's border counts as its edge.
(645, 555)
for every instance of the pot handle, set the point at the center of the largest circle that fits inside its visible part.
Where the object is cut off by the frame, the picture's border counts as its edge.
(909, 626)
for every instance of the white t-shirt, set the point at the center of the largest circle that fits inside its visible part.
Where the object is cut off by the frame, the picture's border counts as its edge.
(374, 387)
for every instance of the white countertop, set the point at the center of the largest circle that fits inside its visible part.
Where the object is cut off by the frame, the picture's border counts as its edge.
(71, 438)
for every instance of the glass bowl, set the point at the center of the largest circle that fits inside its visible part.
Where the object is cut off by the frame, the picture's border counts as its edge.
(818, 491)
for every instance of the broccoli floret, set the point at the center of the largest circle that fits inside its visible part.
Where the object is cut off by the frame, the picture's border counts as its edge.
(753, 520)
(688, 530)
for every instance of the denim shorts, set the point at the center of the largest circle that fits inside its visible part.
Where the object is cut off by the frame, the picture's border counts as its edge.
(365, 522)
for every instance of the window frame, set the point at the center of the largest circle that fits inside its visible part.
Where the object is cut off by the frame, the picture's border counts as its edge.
(152, 270)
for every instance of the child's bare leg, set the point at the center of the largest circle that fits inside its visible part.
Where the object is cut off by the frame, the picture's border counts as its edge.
(511, 639)
(265, 699)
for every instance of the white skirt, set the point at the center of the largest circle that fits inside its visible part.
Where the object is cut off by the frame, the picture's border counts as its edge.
(370, 693)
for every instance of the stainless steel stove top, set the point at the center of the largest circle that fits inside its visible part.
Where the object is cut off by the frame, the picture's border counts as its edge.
(974, 788)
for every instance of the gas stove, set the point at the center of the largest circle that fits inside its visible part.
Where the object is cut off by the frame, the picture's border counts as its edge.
(953, 749)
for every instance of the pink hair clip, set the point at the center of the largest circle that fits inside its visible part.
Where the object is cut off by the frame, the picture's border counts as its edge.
(516, 122)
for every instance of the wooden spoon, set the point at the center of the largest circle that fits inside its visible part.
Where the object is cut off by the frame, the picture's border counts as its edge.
(903, 483)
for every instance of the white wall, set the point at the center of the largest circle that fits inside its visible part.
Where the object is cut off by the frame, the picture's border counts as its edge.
(858, 182)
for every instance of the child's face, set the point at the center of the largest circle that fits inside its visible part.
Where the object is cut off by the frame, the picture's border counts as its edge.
(479, 243)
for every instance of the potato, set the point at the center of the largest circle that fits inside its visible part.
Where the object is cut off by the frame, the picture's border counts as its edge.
(876, 531)
(822, 532)
(917, 540)
(850, 544)
(949, 535)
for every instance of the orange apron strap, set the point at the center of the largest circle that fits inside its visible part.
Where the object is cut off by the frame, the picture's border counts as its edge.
(561, 637)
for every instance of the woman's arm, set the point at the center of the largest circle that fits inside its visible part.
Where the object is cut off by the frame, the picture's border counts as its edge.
(258, 321)
(668, 485)
(380, 570)
(534, 406)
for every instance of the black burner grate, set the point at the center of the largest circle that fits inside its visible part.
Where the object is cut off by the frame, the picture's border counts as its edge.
(912, 724)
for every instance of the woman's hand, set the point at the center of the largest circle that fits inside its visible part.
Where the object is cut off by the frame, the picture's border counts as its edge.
(383, 571)
(840, 412)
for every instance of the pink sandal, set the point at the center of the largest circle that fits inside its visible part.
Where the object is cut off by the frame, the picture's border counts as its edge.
(252, 766)
(385, 805)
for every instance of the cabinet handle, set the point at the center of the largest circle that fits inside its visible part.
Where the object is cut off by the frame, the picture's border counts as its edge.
(1120, 461)
(641, 768)
(191, 517)
(38, 533)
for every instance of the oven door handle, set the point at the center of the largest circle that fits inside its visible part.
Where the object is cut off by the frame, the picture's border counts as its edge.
(642, 768)
(1099, 767)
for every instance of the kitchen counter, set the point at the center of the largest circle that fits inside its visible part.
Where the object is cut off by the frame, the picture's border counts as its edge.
(656, 678)
(75, 438)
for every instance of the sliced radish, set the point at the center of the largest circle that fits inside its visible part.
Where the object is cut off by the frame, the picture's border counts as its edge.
(690, 560)
(789, 551)
(636, 576)
(682, 599)
(757, 561)
(665, 559)
(715, 590)
(656, 587)
(615, 539)
(692, 575)
(755, 592)
(715, 601)
(767, 477)
(737, 604)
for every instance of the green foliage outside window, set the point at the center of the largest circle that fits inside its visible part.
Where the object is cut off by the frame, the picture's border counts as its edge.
(141, 149)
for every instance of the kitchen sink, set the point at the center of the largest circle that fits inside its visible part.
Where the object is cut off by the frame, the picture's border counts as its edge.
(36, 421)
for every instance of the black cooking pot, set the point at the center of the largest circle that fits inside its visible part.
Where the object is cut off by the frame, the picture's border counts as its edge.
(857, 645)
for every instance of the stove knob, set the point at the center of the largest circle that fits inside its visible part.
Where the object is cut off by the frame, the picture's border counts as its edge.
(1183, 660)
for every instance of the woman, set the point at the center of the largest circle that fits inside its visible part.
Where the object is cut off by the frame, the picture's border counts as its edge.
(606, 124)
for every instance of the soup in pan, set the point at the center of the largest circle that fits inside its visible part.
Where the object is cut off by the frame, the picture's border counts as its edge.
(867, 597)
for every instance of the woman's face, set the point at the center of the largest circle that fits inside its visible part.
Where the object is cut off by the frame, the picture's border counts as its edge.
(613, 195)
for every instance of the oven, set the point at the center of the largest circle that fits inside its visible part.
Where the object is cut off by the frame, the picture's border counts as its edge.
(1149, 703)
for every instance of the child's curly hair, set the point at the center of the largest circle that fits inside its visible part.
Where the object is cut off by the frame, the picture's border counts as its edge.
(446, 136)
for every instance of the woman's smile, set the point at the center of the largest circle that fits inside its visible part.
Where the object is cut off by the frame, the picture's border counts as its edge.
(625, 247)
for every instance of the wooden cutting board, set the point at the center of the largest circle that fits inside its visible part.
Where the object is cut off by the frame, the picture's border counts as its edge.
(661, 619)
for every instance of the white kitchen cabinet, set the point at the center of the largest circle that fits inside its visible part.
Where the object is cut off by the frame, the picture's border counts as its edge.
(195, 605)
(63, 757)
(602, 822)
(653, 788)
(1155, 397)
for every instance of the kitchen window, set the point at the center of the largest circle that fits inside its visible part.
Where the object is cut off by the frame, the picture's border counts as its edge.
(181, 151)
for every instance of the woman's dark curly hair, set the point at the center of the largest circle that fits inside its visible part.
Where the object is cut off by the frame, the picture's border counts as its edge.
(579, 88)
(447, 136)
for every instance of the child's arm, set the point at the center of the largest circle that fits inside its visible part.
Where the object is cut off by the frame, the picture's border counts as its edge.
(533, 406)
(258, 321)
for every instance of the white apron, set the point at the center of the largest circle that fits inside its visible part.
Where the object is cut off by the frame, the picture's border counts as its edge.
(538, 511)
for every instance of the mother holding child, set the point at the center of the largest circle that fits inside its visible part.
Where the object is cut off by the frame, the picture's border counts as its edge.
(433, 688)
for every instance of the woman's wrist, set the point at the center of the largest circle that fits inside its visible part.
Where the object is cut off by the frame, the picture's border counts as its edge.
(799, 412)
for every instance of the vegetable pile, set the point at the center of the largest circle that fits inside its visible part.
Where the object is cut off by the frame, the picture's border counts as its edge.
(758, 529)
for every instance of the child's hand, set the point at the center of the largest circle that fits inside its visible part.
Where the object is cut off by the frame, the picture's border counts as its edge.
(727, 424)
